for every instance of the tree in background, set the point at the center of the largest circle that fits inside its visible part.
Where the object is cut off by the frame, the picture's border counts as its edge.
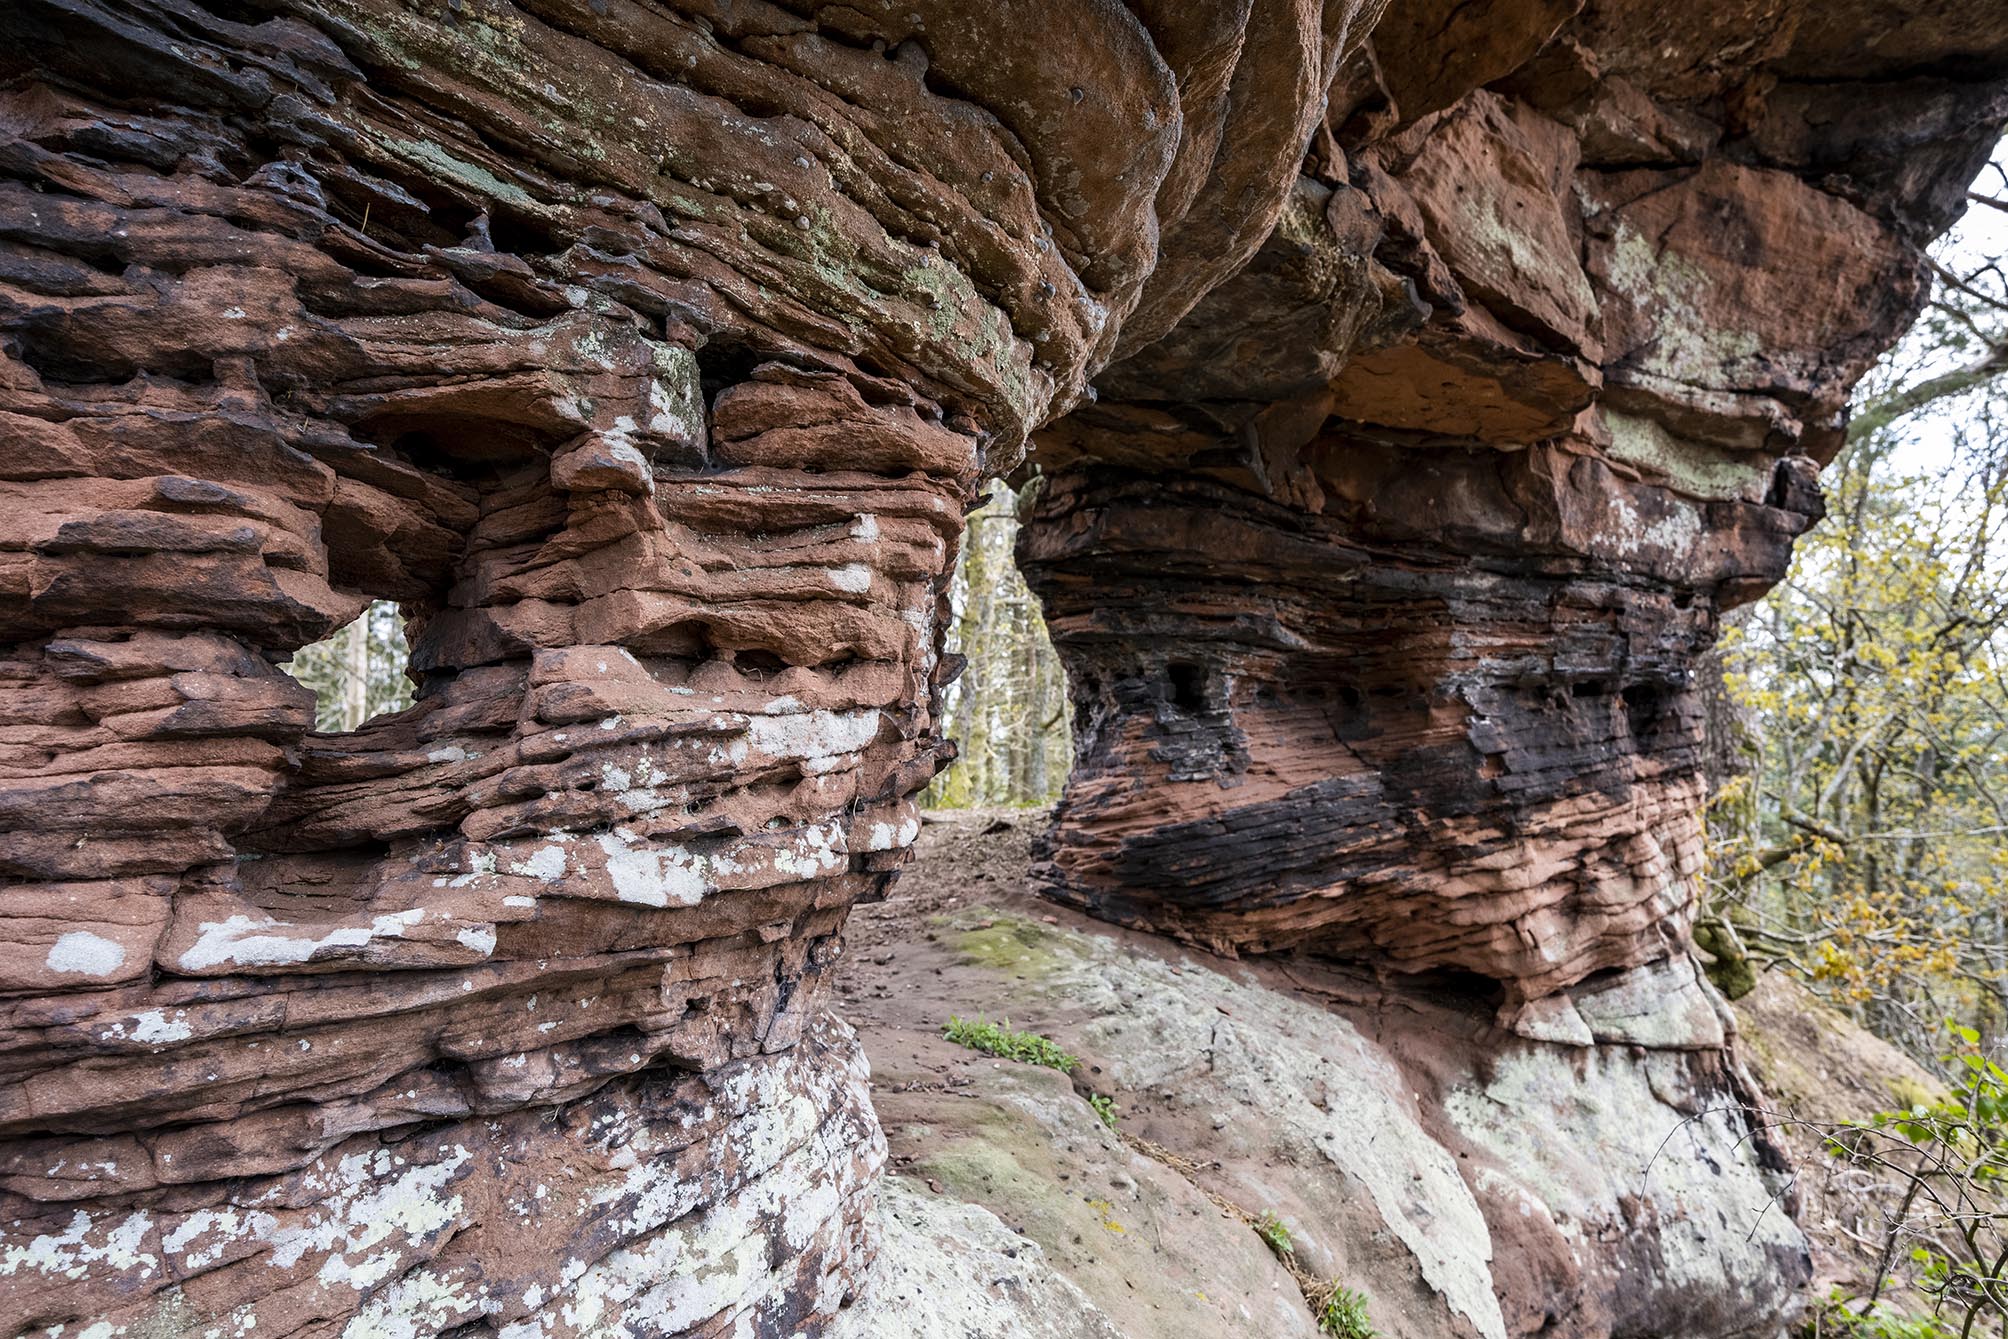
(358, 672)
(1866, 846)
(1008, 713)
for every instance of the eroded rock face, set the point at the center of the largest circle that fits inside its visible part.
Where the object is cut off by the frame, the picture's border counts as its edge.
(1470, 1182)
(648, 355)
(1380, 579)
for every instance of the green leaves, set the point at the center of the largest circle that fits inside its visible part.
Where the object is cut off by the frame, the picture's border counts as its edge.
(1344, 1316)
(1275, 1233)
(1000, 1040)
(1944, 1162)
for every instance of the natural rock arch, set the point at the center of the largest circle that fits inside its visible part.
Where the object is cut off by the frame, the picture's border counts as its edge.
(1415, 390)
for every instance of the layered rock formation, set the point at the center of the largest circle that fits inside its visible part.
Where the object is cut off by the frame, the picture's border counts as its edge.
(1380, 579)
(647, 354)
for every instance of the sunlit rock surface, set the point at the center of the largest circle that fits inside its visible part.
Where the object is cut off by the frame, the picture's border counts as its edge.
(1415, 395)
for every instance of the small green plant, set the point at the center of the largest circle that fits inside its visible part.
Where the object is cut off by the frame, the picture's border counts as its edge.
(1273, 1231)
(1836, 1319)
(1344, 1315)
(999, 1040)
(1105, 1107)
(1943, 1169)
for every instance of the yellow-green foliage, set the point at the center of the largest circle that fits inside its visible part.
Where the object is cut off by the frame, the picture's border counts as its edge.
(1867, 846)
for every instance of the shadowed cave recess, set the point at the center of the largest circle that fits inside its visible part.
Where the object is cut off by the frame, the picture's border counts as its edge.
(1414, 384)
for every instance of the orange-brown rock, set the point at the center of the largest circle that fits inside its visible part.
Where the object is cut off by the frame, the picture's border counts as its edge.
(1388, 657)
(648, 353)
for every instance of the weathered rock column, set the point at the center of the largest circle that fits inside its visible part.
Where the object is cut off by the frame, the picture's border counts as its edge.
(649, 356)
(1380, 576)
(500, 1010)
(1462, 743)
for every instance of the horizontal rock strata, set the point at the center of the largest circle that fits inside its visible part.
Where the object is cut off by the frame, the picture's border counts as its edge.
(647, 354)
(1381, 579)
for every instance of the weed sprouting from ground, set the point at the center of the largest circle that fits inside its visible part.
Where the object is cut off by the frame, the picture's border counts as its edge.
(1000, 1040)
(1343, 1315)
(1273, 1231)
(1105, 1107)
(1341, 1312)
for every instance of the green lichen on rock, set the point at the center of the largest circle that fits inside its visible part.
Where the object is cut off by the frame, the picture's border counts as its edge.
(1009, 944)
(484, 184)
(1694, 468)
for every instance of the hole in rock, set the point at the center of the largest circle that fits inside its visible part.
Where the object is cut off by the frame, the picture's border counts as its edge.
(1589, 688)
(1455, 986)
(690, 643)
(459, 449)
(1781, 485)
(758, 662)
(407, 215)
(1188, 686)
(723, 363)
(521, 234)
(1644, 705)
(237, 11)
(75, 352)
(1009, 712)
(358, 672)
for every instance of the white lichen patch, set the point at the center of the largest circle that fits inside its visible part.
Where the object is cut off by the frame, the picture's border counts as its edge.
(852, 578)
(1618, 1141)
(890, 837)
(120, 1247)
(480, 865)
(1689, 348)
(813, 734)
(85, 954)
(202, 1238)
(546, 863)
(654, 876)
(372, 1210)
(155, 1028)
(816, 852)
(1674, 532)
(245, 941)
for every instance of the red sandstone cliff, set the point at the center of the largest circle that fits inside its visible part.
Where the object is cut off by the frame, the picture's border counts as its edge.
(1417, 387)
